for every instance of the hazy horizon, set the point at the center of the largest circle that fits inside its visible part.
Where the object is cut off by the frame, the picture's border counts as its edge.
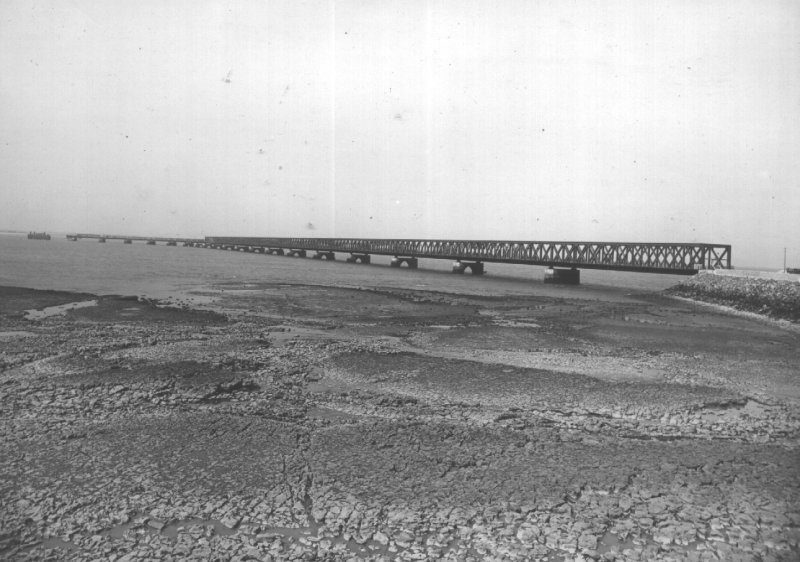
(608, 121)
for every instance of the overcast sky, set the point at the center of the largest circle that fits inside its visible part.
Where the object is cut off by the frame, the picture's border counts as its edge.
(675, 121)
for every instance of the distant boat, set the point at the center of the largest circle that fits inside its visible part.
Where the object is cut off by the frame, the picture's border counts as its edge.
(38, 236)
(794, 270)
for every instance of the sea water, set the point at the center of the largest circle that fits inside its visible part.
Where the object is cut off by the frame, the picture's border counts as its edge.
(162, 271)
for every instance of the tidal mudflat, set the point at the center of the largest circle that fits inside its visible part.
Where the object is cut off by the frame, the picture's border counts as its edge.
(310, 422)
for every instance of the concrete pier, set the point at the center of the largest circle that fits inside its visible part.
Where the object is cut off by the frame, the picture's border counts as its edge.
(172, 243)
(359, 258)
(324, 256)
(151, 242)
(476, 268)
(562, 276)
(296, 253)
(398, 261)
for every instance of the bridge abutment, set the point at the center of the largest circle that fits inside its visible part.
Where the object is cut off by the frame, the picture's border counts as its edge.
(562, 276)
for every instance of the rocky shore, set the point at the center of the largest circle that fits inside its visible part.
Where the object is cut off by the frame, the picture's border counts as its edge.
(774, 298)
(302, 422)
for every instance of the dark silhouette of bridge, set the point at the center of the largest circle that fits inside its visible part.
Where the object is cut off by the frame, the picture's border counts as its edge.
(685, 259)
(564, 259)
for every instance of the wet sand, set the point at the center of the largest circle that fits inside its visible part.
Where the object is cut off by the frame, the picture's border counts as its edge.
(311, 422)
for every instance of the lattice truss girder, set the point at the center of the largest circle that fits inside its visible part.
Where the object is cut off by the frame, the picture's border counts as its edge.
(610, 255)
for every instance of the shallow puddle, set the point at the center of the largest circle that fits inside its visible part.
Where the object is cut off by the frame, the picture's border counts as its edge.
(172, 529)
(51, 543)
(12, 334)
(60, 310)
(322, 413)
(308, 535)
(611, 542)
(59, 543)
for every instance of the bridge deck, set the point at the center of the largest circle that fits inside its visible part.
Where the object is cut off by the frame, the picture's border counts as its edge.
(135, 238)
(646, 257)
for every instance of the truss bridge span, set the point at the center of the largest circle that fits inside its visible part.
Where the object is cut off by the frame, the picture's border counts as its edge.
(672, 258)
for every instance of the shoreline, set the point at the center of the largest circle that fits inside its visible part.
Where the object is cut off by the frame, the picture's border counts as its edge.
(733, 311)
(777, 299)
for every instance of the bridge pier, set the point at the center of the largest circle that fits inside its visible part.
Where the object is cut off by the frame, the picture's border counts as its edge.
(72, 238)
(172, 243)
(127, 241)
(151, 242)
(476, 268)
(330, 256)
(397, 261)
(296, 253)
(562, 276)
(362, 258)
(276, 251)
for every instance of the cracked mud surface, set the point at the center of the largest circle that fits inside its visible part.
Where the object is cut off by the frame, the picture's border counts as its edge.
(299, 422)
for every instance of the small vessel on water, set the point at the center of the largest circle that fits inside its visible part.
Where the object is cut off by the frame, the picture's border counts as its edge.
(38, 236)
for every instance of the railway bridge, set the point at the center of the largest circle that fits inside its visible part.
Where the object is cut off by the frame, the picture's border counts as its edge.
(563, 259)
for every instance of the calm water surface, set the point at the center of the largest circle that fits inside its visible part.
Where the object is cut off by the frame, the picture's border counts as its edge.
(166, 271)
